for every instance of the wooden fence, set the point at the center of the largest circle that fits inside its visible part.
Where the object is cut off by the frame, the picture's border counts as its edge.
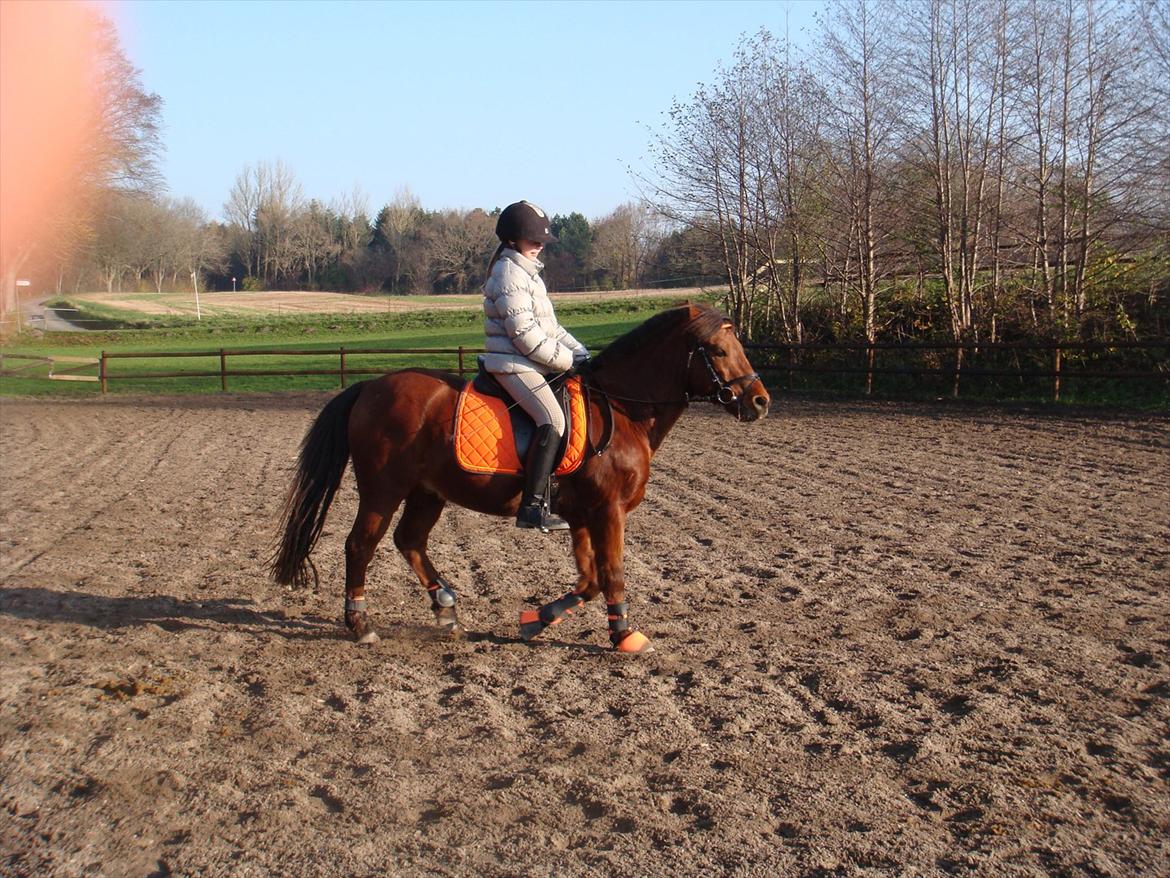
(344, 369)
(793, 359)
(780, 363)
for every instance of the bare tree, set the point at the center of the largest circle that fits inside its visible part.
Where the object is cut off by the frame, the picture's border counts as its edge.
(957, 71)
(313, 243)
(706, 180)
(262, 206)
(458, 245)
(859, 75)
(623, 241)
(105, 129)
(790, 119)
(396, 225)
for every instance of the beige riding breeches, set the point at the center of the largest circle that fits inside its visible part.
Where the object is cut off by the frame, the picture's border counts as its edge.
(532, 394)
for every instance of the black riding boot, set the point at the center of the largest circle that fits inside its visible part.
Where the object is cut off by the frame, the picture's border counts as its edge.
(542, 457)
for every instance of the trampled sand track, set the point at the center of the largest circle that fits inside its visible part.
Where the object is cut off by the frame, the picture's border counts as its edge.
(892, 640)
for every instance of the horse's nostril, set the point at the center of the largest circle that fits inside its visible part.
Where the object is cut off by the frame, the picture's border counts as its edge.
(761, 403)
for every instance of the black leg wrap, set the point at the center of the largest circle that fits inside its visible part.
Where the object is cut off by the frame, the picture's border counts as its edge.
(552, 612)
(619, 625)
(442, 594)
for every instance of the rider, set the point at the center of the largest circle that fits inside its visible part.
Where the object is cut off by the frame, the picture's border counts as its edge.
(525, 343)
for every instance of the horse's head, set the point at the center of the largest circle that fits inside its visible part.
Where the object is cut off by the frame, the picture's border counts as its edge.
(718, 371)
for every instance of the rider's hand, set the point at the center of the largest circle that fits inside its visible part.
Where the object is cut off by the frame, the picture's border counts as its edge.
(581, 365)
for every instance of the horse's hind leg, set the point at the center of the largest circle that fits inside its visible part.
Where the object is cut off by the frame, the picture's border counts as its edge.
(368, 529)
(410, 536)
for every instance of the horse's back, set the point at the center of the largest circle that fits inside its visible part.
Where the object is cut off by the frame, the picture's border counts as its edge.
(405, 402)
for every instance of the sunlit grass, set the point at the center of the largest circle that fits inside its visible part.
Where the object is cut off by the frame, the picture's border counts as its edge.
(595, 324)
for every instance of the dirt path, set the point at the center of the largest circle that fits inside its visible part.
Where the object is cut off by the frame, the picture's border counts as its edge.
(892, 640)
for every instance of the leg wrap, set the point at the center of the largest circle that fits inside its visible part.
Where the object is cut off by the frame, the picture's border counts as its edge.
(355, 605)
(619, 625)
(552, 613)
(442, 594)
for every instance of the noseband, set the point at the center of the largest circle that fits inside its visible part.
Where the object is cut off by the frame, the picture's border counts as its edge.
(725, 393)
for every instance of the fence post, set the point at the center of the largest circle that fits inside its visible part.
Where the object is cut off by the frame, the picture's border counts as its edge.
(102, 372)
(343, 368)
(222, 369)
(1056, 377)
(460, 361)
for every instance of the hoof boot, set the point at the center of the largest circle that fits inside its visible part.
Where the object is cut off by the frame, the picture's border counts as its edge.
(530, 624)
(634, 643)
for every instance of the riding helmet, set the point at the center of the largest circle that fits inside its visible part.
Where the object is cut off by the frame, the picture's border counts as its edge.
(524, 220)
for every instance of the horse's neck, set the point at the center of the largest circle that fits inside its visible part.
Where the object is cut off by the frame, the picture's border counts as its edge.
(654, 373)
(652, 393)
(660, 424)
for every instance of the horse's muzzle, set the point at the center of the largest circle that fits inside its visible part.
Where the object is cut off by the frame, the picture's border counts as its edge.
(753, 406)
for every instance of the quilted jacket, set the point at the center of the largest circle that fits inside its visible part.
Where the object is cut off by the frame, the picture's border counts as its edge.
(523, 334)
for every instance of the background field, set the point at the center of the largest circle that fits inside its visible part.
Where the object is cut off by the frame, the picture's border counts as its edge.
(221, 304)
(409, 322)
(892, 641)
(262, 321)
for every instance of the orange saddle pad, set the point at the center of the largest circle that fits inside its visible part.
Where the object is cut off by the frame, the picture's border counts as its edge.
(483, 433)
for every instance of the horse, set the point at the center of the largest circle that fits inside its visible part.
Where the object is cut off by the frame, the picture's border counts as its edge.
(397, 429)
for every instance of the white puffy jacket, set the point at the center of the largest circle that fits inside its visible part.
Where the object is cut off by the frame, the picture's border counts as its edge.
(523, 334)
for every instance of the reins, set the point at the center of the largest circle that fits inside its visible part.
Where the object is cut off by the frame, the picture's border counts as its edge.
(725, 392)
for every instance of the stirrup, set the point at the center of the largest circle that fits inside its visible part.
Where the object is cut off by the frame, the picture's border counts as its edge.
(535, 516)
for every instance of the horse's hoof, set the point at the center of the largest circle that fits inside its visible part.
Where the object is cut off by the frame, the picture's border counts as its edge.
(455, 631)
(369, 637)
(634, 643)
(530, 625)
(448, 622)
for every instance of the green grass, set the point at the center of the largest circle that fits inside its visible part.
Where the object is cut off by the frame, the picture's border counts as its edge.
(594, 324)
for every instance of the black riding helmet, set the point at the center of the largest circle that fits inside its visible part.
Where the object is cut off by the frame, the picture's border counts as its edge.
(524, 220)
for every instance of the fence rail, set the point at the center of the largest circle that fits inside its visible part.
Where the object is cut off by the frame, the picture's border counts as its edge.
(344, 369)
(1050, 362)
(790, 359)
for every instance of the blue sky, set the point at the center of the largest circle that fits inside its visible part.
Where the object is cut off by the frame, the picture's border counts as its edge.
(467, 104)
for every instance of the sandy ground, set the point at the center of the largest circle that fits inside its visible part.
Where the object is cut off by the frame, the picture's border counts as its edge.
(891, 640)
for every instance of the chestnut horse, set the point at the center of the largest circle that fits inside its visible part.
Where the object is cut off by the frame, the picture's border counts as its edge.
(398, 431)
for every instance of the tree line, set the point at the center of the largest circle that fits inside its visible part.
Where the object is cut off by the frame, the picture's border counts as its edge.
(273, 237)
(978, 169)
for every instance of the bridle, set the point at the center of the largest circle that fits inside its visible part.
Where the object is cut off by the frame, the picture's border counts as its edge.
(722, 387)
(724, 390)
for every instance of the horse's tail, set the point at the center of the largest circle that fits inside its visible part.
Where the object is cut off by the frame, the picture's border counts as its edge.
(324, 454)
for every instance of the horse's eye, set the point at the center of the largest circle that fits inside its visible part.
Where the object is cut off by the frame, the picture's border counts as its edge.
(718, 352)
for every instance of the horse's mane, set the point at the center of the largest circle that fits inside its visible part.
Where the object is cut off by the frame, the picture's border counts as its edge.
(696, 321)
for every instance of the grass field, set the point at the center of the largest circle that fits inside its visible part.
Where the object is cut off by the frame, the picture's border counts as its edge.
(152, 306)
(458, 322)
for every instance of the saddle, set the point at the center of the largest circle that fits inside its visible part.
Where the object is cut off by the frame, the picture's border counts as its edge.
(492, 433)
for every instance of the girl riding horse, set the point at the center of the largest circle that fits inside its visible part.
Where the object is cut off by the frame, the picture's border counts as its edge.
(525, 343)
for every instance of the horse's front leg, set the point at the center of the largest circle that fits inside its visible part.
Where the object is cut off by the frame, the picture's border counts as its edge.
(533, 622)
(608, 531)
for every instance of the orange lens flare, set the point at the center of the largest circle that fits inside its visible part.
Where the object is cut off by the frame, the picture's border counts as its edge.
(48, 103)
